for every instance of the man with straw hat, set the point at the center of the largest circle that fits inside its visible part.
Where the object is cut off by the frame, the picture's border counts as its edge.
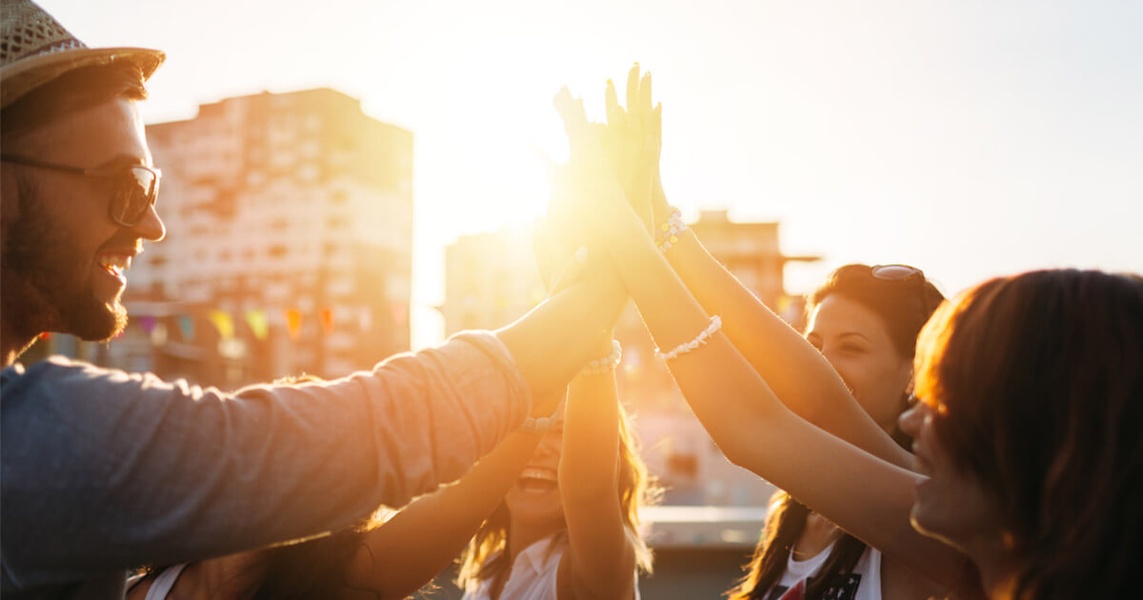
(105, 470)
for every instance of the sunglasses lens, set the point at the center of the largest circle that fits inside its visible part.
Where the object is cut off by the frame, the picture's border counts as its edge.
(134, 195)
(895, 272)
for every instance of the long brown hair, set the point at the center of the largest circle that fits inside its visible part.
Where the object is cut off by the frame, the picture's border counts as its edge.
(1037, 381)
(903, 305)
(486, 556)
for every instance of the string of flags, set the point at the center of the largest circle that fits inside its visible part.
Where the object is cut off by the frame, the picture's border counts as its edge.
(260, 321)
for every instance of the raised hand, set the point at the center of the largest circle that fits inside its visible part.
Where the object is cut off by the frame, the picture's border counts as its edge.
(593, 204)
(634, 135)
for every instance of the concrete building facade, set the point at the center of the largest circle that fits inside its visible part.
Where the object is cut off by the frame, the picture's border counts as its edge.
(289, 244)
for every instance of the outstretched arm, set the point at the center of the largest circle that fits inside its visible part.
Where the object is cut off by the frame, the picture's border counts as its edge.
(866, 496)
(600, 562)
(405, 553)
(555, 339)
(797, 373)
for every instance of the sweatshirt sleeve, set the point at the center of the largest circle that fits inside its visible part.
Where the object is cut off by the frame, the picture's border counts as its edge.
(104, 469)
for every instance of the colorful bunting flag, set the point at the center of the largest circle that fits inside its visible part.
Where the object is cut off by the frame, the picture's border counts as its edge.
(294, 323)
(186, 327)
(258, 323)
(148, 323)
(222, 321)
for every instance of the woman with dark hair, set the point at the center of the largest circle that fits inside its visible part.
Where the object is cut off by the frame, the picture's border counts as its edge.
(862, 327)
(1031, 399)
(865, 321)
(1031, 402)
(555, 519)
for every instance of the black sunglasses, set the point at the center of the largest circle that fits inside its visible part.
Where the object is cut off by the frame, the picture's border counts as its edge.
(136, 186)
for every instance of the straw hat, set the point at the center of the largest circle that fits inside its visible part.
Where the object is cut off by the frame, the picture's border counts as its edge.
(35, 49)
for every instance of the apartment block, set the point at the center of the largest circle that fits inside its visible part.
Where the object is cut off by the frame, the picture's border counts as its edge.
(289, 242)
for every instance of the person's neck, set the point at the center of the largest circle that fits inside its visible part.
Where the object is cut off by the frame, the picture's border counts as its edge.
(998, 578)
(522, 536)
(818, 534)
(12, 343)
(998, 571)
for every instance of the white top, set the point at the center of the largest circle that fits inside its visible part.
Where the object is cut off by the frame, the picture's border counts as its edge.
(533, 575)
(864, 582)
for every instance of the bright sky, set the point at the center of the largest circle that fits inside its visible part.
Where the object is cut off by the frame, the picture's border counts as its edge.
(971, 138)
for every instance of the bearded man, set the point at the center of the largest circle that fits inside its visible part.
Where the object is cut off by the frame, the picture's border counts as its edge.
(105, 470)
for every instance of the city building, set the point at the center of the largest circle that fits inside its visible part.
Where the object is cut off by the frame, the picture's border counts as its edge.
(491, 279)
(289, 243)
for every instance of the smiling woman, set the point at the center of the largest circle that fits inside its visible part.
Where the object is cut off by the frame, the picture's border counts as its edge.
(864, 320)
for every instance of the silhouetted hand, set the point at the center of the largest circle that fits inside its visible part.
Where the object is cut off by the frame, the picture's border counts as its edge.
(635, 137)
(593, 207)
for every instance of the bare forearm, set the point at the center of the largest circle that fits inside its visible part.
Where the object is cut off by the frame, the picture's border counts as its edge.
(591, 440)
(675, 317)
(797, 373)
(601, 559)
(406, 552)
(556, 338)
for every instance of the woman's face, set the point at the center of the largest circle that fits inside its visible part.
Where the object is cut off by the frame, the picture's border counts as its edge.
(950, 503)
(855, 341)
(534, 500)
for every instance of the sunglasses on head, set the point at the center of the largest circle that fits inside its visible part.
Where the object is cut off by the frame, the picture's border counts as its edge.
(136, 186)
(896, 272)
(903, 273)
(912, 277)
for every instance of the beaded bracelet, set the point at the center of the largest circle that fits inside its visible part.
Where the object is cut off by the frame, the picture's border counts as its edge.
(542, 424)
(667, 234)
(606, 364)
(700, 339)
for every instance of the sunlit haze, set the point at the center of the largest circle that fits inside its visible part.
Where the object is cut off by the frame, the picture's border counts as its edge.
(970, 139)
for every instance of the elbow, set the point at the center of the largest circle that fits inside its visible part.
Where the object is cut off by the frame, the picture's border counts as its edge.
(741, 454)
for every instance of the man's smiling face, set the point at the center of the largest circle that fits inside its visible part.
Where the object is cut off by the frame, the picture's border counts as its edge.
(64, 258)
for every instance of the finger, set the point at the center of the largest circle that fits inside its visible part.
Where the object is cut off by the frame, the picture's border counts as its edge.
(571, 109)
(563, 103)
(645, 95)
(611, 103)
(657, 123)
(571, 112)
(632, 86)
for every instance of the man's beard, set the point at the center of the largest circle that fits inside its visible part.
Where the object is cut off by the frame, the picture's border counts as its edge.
(47, 278)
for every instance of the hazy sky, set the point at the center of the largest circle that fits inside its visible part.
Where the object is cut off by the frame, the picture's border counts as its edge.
(969, 138)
